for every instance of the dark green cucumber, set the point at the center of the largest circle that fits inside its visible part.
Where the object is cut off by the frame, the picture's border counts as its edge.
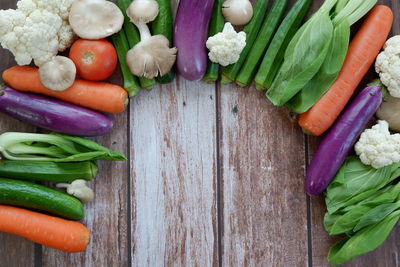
(260, 46)
(216, 25)
(274, 56)
(41, 198)
(164, 24)
(131, 83)
(251, 29)
(47, 171)
(133, 37)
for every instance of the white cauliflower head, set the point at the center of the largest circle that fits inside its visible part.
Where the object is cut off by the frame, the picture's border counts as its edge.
(387, 65)
(225, 47)
(377, 147)
(37, 30)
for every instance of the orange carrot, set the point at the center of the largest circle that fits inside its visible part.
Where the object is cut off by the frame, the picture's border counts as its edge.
(363, 50)
(100, 96)
(54, 232)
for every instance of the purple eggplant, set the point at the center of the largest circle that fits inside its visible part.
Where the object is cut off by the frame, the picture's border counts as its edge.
(53, 115)
(190, 36)
(339, 140)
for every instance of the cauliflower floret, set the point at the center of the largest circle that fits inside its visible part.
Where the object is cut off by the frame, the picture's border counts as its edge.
(225, 47)
(36, 30)
(387, 65)
(377, 147)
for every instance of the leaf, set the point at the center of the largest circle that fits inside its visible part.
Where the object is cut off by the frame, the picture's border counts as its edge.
(348, 221)
(376, 215)
(328, 73)
(303, 58)
(355, 182)
(363, 241)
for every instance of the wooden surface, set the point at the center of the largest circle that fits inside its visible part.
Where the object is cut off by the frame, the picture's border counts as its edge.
(214, 178)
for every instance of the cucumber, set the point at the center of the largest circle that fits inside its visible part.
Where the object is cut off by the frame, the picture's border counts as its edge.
(133, 37)
(260, 46)
(39, 197)
(164, 24)
(216, 26)
(48, 171)
(273, 58)
(251, 29)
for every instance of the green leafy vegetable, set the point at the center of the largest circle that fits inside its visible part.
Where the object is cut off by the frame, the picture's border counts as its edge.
(355, 182)
(53, 147)
(363, 241)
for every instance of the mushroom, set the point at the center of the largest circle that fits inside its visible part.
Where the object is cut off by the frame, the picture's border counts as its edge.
(152, 56)
(390, 112)
(95, 19)
(78, 189)
(237, 12)
(58, 74)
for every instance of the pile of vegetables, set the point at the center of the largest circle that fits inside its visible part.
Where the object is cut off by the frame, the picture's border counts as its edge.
(312, 68)
(29, 157)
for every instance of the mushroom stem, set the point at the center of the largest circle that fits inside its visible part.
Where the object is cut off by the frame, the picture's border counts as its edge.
(144, 31)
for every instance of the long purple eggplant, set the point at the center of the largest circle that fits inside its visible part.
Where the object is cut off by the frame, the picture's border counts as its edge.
(339, 140)
(53, 114)
(190, 36)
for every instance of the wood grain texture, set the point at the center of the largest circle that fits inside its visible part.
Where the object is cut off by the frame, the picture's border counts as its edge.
(262, 169)
(11, 246)
(387, 254)
(173, 156)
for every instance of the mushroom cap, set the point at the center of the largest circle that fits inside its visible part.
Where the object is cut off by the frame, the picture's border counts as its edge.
(151, 57)
(237, 12)
(95, 19)
(58, 74)
(142, 11)
(390, 112)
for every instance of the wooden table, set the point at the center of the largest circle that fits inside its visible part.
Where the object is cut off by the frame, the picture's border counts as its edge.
(214, 178)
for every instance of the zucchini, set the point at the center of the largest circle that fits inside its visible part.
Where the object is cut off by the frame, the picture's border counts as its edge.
(251, 29)
(39, 197)
(273, 58)
(260, 46)
(164, 24)
(48, 171)
(216, 25)
(133, 37)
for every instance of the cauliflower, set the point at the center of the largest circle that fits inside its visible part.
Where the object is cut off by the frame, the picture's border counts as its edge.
(37, 29)
(388, 66)
(225, 47)
(377, 147)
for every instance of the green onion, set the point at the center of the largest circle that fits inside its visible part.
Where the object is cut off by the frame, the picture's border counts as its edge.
(48, 171)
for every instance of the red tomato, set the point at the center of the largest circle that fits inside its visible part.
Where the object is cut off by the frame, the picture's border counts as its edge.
(95, 60)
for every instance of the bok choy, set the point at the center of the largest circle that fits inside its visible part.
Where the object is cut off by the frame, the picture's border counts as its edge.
(53, 147)
(316, 54)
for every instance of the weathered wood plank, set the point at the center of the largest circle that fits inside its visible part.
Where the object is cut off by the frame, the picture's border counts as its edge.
(11, 246)
(173, 156)
(107, 216)
(387, 254)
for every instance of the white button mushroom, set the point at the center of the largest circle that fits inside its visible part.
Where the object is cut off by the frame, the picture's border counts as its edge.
(237, 12)
(78, 189)
(58, 74)
(95, 19)
(390, 112)
(152, 56)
